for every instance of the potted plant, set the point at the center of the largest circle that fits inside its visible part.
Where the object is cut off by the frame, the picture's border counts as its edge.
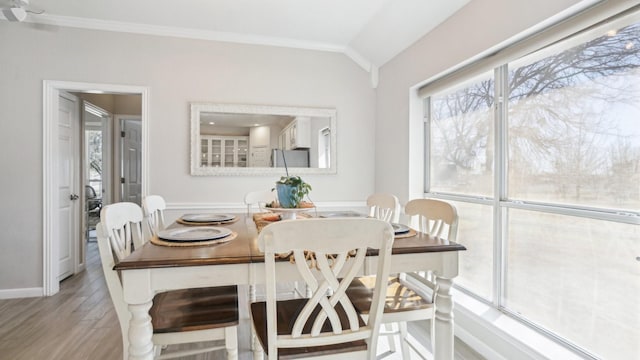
(291, 190)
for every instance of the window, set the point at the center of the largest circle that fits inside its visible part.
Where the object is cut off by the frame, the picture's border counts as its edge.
(324, 148)
(94, 158)
(541, 156)
(461, 137)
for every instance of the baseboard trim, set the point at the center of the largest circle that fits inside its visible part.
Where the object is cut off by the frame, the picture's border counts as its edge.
(21, 293)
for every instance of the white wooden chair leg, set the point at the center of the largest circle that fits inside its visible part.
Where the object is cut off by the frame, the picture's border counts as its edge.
(231, 342)
(432, 334)
(258, 353)
(404, 344)
(391, 338)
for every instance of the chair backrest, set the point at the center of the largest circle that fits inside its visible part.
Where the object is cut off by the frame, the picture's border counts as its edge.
(434, 216)
(384, 207)
(122, 225)
(153, 207)
(258, 198)
(114, 285)
(340, 247)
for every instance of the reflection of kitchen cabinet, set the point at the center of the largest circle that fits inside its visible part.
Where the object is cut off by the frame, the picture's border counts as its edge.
(224, 151)
(296, 135)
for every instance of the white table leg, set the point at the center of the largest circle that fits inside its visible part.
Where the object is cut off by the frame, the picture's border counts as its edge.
(443, 347)
(140, 332)
(258, 354)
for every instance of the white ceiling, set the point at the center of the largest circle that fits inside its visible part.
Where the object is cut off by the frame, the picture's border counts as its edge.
(371, 32)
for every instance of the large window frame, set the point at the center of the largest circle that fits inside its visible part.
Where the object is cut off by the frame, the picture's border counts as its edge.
(500, 202)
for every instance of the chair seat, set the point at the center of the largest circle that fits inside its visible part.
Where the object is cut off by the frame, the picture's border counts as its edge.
(287, 313)
(195, 309)
(400, 297)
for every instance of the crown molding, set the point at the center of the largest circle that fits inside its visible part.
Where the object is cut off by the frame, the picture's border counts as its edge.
(134, 28)
(358, 58)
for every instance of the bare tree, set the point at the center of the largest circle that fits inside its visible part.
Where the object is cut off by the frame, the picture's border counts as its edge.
(556, 127)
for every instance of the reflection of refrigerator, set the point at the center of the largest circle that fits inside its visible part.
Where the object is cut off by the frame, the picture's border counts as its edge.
(294, 158)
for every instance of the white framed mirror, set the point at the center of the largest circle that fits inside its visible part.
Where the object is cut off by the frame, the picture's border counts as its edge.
(235, 139)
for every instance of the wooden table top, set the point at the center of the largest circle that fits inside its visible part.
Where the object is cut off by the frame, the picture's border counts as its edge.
(244, 249)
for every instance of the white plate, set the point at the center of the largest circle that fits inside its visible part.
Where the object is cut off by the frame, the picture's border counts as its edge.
(400, 229)
(199, 233)
(205, 218)
(347, 214)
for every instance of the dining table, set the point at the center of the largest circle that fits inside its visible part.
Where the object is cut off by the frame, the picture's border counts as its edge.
(155, 268)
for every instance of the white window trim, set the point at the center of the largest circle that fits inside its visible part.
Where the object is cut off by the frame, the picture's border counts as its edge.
(492, 331)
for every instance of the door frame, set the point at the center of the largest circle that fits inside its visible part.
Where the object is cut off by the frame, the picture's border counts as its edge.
(50, 157)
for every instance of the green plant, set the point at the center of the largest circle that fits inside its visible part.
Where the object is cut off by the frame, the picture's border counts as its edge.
(299, 188)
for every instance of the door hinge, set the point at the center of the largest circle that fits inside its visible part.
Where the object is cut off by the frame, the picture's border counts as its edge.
(121, 180)
(122, 134)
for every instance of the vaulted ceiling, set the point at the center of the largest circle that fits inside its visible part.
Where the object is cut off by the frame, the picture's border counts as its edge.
(370, 32)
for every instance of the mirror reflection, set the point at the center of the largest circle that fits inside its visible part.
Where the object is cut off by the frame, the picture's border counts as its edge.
(255, 139)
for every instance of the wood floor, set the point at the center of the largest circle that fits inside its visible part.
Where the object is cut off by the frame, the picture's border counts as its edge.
(79, 323)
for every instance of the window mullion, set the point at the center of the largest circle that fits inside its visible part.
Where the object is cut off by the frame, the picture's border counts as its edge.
(426, 118)
(500, 184)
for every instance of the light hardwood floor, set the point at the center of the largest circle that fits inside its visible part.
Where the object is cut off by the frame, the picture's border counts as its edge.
(79, 323)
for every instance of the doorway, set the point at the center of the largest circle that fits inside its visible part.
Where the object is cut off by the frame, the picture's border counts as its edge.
(97, 166)
(128, 154)
(51, 158)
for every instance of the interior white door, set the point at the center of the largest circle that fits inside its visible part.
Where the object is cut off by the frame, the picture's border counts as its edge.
(131, 160)
(68, 185)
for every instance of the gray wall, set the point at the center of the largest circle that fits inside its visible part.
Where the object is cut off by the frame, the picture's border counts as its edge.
(177, 71)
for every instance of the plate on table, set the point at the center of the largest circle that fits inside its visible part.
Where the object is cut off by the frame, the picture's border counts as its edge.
(400, 229)
(200, 233)
(207, 218)
(344, 214)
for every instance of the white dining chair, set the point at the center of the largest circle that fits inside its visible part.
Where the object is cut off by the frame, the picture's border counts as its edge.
(384, 207)
(434, 217)
(153, 207)
(411, 296)
(327, 254)
(179, 316)
(259, 199)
